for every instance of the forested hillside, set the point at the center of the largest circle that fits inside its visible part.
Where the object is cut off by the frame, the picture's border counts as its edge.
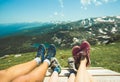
(102, 30)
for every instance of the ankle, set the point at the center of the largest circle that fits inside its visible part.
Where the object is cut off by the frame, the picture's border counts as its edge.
(57, 69)
(48, 61)
(83, 62)
(83, 59)
(38, 60)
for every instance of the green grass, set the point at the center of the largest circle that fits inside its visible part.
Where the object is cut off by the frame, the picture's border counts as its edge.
(107, 56)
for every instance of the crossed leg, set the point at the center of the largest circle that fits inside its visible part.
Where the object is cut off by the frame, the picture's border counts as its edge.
(16, 71)
(37, 75)
(27, 71)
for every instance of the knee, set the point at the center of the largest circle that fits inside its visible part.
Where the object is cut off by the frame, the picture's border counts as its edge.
(20, 79)
(2, 73)
(3, 76)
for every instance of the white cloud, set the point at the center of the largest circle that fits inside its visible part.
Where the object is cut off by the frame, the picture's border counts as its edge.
(60, 14)
(61, 3)
(97, 3)
(55, 13)
(57, 18)
(105, 1)
(83, 7)
(85, 3)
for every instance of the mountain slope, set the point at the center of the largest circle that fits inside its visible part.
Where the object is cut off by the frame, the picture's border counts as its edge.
(95, 30)
(13, 29)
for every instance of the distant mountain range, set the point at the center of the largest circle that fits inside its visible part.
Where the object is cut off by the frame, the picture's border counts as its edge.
(13, 28)
(7, 29)
(17, 38)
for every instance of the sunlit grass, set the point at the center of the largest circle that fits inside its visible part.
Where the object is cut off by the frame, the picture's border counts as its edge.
(106, 56)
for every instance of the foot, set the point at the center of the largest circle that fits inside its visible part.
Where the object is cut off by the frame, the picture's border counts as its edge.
(75, 50)
(55, 66)
(84, 51)
(51, 52)
(71, 65)
(41, 52)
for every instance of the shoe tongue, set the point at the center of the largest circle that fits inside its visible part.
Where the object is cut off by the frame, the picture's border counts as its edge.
(82, 53)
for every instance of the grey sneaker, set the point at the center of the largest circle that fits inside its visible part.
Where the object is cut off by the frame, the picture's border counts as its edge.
(71, 64)
(55, 66)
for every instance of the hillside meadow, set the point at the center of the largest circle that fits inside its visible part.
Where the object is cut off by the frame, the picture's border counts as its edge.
(107, 56)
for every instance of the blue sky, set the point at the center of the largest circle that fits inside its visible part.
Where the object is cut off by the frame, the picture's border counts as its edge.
(16, 11)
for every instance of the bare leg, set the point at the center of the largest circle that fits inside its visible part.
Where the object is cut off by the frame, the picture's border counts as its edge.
(54, 77)
(55, 66)
(82, 74)
(16, 71)
(37, 75)
(71, 77)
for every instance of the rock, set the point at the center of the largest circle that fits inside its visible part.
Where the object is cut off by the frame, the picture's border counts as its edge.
(5, 56)
(17, 55)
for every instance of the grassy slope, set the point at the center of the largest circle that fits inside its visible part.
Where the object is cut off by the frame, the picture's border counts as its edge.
(106, 56)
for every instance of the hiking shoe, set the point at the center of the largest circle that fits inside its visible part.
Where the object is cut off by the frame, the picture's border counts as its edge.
(41, 52)
(71, 63)
(51, 52)
(55, 66)
(75, 50)
(82, 50)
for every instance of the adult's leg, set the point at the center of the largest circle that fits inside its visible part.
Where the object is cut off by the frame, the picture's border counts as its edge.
(82, 60)
(38, 74)
(71, 77)
(82, 73)
(72, 69)
(21, 69)
(16, 71)
(55, 66)
(54, 77)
